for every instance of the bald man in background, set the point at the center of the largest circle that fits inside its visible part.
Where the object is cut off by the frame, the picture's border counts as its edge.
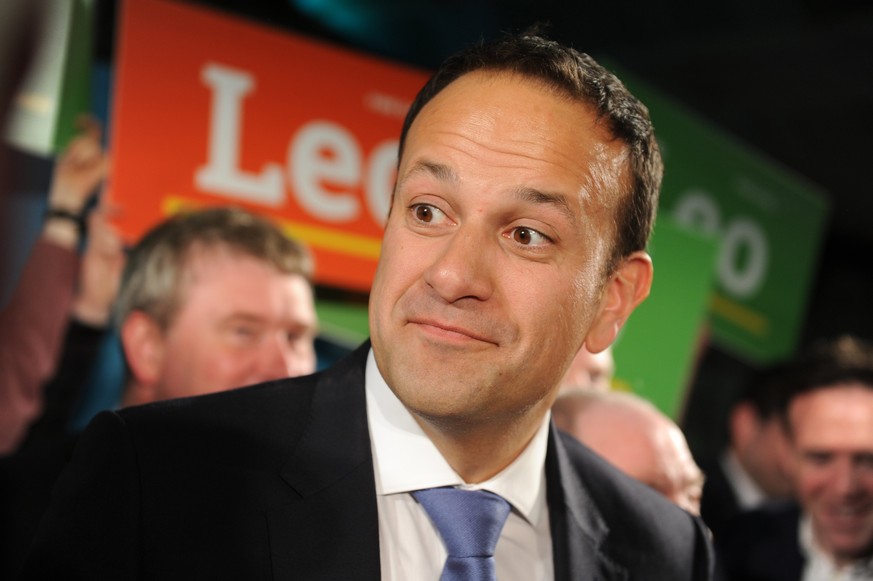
(590, 371)
(636, 438)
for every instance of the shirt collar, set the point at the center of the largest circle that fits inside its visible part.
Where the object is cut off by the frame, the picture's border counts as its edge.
(404, 459)
(749, 494)
(820, 561)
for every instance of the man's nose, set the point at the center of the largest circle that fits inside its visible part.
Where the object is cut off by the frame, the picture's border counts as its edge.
(462, 269)
(846, 478)
(274, 360)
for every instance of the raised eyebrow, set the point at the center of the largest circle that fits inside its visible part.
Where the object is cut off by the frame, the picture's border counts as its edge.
(444, 173)
(242, 317)
(439, 171)
(535, 196)
(312, 327)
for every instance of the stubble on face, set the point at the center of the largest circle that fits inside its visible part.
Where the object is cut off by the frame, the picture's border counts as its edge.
(495, 352)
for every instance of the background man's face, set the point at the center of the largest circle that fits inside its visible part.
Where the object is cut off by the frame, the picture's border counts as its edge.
(638, 441)
(240, 322)
(832, 435)
(767, 457)
(493, 258)
(761, 445)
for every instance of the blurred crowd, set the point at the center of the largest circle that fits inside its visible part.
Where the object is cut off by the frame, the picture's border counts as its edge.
(215, 299)
(219, 298)
(206, 301)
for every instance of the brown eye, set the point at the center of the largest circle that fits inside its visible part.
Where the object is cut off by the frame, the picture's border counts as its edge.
(424, 213)
(523, 235)
(427, 215)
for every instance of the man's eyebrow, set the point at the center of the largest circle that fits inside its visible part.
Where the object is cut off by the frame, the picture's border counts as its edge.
(444, 173)
(536, 196)
(439, 171)
(242, 316)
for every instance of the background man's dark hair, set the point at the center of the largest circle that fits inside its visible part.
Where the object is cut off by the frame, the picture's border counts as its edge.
(766, 392)
(825, 364)
(579, 77)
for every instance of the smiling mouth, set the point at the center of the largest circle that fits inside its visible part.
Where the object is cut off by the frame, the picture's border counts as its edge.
(849, 517)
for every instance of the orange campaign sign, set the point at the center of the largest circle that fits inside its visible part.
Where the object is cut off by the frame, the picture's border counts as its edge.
(213, 110)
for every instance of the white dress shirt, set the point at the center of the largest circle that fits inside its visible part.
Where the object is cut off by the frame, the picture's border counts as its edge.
(404, 460)
(819, 565)
(749, 494)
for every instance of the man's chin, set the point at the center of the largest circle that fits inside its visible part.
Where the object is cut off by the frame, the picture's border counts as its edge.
(851, 547)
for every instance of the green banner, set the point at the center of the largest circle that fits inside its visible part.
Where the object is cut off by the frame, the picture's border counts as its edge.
(343, 323)
(656, 351)
(770, 223)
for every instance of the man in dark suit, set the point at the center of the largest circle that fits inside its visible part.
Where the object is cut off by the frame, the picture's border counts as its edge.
(828, 413)
(526, 189)
(752, 471)
(233, 305)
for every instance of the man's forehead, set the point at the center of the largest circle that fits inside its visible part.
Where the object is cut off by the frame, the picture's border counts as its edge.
(482, 89)
(216, 268)
(833, 399)
(202, 257)
(575, 136)
(445, 173)
(833, 420)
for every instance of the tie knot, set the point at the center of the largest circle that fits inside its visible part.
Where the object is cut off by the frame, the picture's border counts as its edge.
(469, 521)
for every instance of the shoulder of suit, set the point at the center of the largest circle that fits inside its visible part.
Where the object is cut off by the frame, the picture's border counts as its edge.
(622, 499)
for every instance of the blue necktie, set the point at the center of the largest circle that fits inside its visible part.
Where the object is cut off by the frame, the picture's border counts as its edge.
(469, 521)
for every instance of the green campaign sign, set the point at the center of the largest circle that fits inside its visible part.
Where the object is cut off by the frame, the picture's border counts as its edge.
(770, 223)
(656, 351)
(343, 323)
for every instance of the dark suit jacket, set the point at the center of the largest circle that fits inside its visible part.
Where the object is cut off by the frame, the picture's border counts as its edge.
(276, 481)
(762, 545)
(28, 475)
(718, 503)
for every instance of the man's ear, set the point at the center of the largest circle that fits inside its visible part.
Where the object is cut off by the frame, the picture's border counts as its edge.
(143, 343)
(628, 286)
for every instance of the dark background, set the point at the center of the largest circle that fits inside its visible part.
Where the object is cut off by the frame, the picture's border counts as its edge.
(792, 78)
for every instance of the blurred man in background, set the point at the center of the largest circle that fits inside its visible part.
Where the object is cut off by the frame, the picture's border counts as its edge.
(209, 300)
(212, 300)
(754, 468)
(634, 436)
(32, 324)
(829, 534)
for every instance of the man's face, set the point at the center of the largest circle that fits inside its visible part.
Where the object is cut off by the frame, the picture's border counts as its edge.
(640, 442)
(762, 448)
(662, 461)
(832, 436)
(240, 321)
(494, 255)
(768, 458)
(678, 477)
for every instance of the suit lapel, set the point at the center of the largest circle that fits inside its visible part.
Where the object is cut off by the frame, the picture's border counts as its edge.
(332, 530)
(578, 531)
